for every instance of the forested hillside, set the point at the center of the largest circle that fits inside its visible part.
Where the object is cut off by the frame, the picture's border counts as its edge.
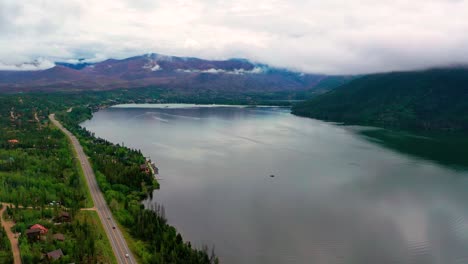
(40, 179)
(434, 99)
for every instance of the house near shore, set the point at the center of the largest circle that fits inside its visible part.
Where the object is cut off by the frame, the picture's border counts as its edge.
(155, 169)
(144, 168)
(149, 168)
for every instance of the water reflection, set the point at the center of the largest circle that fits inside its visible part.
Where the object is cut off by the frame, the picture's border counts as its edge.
(335, 197)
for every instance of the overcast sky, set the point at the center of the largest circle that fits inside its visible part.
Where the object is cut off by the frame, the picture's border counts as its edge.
(333, 36)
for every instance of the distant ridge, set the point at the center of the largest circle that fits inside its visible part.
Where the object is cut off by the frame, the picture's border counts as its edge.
(172, 72)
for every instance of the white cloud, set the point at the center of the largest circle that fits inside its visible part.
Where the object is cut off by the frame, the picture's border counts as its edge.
(156, 68)
(332, 36)
(40, 64)
(255, 70)
(152, 66)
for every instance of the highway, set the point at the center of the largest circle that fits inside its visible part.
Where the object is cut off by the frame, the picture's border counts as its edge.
(119, 245)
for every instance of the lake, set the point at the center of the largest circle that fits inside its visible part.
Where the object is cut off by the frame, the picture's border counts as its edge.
(265, 186)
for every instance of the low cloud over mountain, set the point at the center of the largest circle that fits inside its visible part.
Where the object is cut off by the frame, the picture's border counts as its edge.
(332, 37)
(182, 73)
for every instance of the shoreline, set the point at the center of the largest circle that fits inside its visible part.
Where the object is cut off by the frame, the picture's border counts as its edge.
(188, 105)
(168, 237)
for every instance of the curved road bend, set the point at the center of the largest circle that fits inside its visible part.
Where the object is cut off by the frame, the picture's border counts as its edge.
(119, 245)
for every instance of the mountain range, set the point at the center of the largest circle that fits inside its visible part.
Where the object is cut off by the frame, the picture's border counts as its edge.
(233, 75)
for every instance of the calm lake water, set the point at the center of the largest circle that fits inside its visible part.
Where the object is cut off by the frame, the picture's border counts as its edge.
(335, 198)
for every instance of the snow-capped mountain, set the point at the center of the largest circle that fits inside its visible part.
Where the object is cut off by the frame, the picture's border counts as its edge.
(162, 71)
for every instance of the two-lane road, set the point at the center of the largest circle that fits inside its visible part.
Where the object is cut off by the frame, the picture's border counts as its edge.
(119, 245)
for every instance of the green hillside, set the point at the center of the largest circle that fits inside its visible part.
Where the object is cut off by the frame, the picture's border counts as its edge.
(434, 99)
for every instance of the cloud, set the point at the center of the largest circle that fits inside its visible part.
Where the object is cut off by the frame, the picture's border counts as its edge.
(255, 70)
(332, 36)
(152, 66)
(39, 64)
